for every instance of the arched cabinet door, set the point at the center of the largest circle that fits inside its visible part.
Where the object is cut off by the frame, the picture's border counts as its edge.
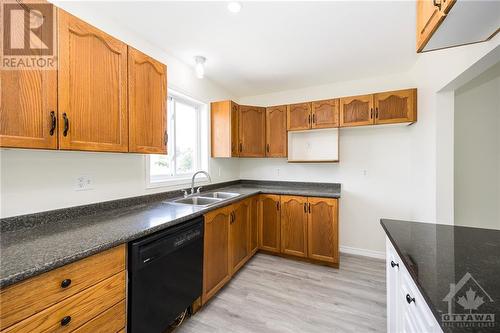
(216, 254)
(147, 93)
(28, 107)
(325, 114)
(322, 231)
(92, 88)
(269, 222)
(239, 238)
(252, 131)
(356, 111)
(299, 116)
(294, 225)
(396, 106)
(276, 136)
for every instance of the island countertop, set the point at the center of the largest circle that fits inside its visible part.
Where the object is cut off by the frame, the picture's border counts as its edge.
(36, 243)
(449, 262)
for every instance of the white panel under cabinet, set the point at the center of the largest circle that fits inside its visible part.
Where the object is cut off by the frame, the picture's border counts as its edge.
(311, 146)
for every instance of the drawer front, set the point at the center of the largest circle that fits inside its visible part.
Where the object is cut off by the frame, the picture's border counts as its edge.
(112, 320)
(75, 311)
(31, 296)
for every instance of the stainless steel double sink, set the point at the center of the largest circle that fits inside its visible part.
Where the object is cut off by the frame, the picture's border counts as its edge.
(205, 199)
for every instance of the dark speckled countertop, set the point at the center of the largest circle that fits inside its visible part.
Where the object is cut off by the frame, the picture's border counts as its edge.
(36, 243)
(438, 256)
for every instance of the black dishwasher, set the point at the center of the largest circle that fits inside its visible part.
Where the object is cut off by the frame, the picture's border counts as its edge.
(165, 276)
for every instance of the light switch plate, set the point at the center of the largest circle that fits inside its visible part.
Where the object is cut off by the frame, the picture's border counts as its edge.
(84, 183)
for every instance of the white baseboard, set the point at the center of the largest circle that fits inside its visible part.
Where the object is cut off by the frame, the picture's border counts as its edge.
(362, 252)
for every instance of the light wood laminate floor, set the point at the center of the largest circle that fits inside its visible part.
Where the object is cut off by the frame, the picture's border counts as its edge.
(273, 294)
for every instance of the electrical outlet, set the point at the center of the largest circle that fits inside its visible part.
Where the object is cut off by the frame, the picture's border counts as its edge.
(84, 183)
(277, 172)
(365, 172)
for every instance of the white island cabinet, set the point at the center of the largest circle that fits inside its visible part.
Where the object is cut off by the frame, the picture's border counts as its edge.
(407, 310)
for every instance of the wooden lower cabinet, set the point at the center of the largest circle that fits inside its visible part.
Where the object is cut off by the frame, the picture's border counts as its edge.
(269, 223)
(216, 266)
(294, 225)
(80, 293)
(322, 229)
(239, 238)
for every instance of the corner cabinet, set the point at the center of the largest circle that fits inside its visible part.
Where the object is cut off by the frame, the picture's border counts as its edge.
(407, 310)
(239, 237)
(323, 229)
(224, 129)
(92, 88)
(147, 94)
(252, 125)
(269, 223)
(276, 138)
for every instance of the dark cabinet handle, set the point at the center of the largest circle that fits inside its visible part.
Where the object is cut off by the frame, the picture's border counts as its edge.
(305, 207)
(65, 321)
(376, 113)
(241, 147)
(278, 205)
(267, 147)
(166, 138)
(309, 119)
(309, 207)
(410, 299)
(314, 118)
(65, 283)
(371, 113)
(53, 122)
(66, 124)
(393, 264)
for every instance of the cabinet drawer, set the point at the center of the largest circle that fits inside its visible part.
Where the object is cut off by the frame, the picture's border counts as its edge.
(28, 297)
(111, 320)
(79, 308)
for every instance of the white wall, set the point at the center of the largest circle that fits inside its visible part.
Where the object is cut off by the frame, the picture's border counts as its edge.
(33, 181)
(477, 151)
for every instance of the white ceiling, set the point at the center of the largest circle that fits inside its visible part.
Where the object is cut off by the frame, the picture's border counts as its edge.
(273, 46)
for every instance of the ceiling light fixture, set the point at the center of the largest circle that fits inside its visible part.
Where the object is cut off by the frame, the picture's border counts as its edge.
(200, 66)
(234, 6)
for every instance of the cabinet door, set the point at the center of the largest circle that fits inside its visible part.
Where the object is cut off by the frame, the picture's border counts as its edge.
(298, 116)
(238, 236)
(392, 283)
(276, 136)
(92, 88)
(234, 129)
(294, 225)
(252, 128)
(395, 106)
(325, 114)
(269, 223)
(254, 224)
(356, 111)
(429, 17)
(28, 107)
(147, 112)
(216, 270)
(322, 231)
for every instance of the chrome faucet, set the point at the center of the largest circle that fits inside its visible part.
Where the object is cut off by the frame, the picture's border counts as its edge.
(192, 181)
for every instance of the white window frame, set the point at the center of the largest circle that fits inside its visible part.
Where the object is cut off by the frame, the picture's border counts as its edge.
(201, 157)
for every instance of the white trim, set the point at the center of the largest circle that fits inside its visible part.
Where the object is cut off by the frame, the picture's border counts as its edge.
(362, 252)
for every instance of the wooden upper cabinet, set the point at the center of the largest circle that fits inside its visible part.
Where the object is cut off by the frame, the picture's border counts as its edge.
(234, 129)
(92, 88)
(294, 225)
(429, 17)
(356, 111)
(238, 236)
(322, 231)
(224, 129)
(395, 106)
(299, 116)
(254, 224)
(252, 128)
(276, 136)
(28, 107)
(216, 255)
(325, 114)
(269, 222)
(147, 93)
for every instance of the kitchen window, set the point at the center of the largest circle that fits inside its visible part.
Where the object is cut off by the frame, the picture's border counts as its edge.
(187, 121)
